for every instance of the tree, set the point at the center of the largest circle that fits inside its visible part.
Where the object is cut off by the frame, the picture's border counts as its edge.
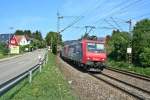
(3, 49)
(117, 45)
(28, 33)
(37, 35)
(19, 32)
(145, 57)
(141, 42)
(53, 39)
(25, 32)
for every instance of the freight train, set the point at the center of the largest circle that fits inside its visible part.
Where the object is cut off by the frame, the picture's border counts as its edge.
(88, 54)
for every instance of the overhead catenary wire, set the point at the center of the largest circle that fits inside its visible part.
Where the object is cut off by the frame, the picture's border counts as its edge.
(118, 9)
(70, 25)
(81, 15)
(114, 8)
(110, 24)
(124, 10)
(126, 7)
(116, 23)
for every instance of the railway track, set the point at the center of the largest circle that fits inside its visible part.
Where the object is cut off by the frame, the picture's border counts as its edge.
(143, 77)
(133, 91)
(125, 86)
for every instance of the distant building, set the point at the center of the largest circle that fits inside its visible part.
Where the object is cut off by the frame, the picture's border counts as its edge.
(4, 38)
(19, 40)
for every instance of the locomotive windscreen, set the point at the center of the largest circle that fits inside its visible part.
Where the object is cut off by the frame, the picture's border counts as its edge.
(95, 47)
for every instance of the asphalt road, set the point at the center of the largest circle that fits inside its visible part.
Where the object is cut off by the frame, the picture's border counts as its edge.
(15, 66)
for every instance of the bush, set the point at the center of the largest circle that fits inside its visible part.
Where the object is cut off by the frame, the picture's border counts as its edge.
(23, 48)
(3, 49)
(145, 57)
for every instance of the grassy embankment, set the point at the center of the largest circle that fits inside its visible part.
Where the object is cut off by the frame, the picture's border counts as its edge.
(125, 66)
(47, 85)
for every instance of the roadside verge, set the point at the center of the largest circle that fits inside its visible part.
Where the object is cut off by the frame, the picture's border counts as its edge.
(47, 85)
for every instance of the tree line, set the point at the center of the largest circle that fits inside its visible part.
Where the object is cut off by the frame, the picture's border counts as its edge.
(139, 39)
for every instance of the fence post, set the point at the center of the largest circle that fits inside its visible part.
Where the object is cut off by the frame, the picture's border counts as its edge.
(30, 76)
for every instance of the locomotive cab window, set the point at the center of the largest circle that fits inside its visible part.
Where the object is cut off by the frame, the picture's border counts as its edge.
(95, 47)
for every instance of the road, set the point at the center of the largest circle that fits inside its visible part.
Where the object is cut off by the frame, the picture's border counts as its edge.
(15, 66)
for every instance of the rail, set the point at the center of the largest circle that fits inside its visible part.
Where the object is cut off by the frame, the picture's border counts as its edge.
(118, 87)
(12, 82)
(136, 75)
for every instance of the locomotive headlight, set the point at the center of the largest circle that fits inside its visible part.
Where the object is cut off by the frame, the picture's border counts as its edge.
(88, 58)
(103, 59)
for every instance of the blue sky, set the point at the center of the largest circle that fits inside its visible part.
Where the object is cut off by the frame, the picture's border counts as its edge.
(41, 15)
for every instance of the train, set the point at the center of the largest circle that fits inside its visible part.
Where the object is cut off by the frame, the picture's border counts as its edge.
(87, 54)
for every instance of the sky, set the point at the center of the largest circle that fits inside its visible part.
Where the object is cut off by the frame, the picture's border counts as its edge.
(104, 15)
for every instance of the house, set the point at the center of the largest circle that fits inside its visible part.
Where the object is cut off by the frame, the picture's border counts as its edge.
(16, 41)
(19, 40)
(4, 38)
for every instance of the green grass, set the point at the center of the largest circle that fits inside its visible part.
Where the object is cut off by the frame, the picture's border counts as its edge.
(47, 85)
(125, 66)
(2, 56)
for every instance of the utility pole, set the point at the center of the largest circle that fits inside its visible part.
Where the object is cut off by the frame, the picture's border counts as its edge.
(129, 49)
(58, 21)
(58, 26)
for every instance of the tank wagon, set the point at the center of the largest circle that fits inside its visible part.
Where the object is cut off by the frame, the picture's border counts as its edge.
(88, 54)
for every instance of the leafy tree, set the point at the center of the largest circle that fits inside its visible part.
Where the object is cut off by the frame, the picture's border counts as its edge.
(28, 33)
(141, 42)
(25, 32)
(3, 49)
(145, 57)
(117, 45)
(53, 39)
(108, 37)
(19, 32)
(37, 35)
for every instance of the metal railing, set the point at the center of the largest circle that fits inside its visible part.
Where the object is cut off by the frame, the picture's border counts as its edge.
(12, 82)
